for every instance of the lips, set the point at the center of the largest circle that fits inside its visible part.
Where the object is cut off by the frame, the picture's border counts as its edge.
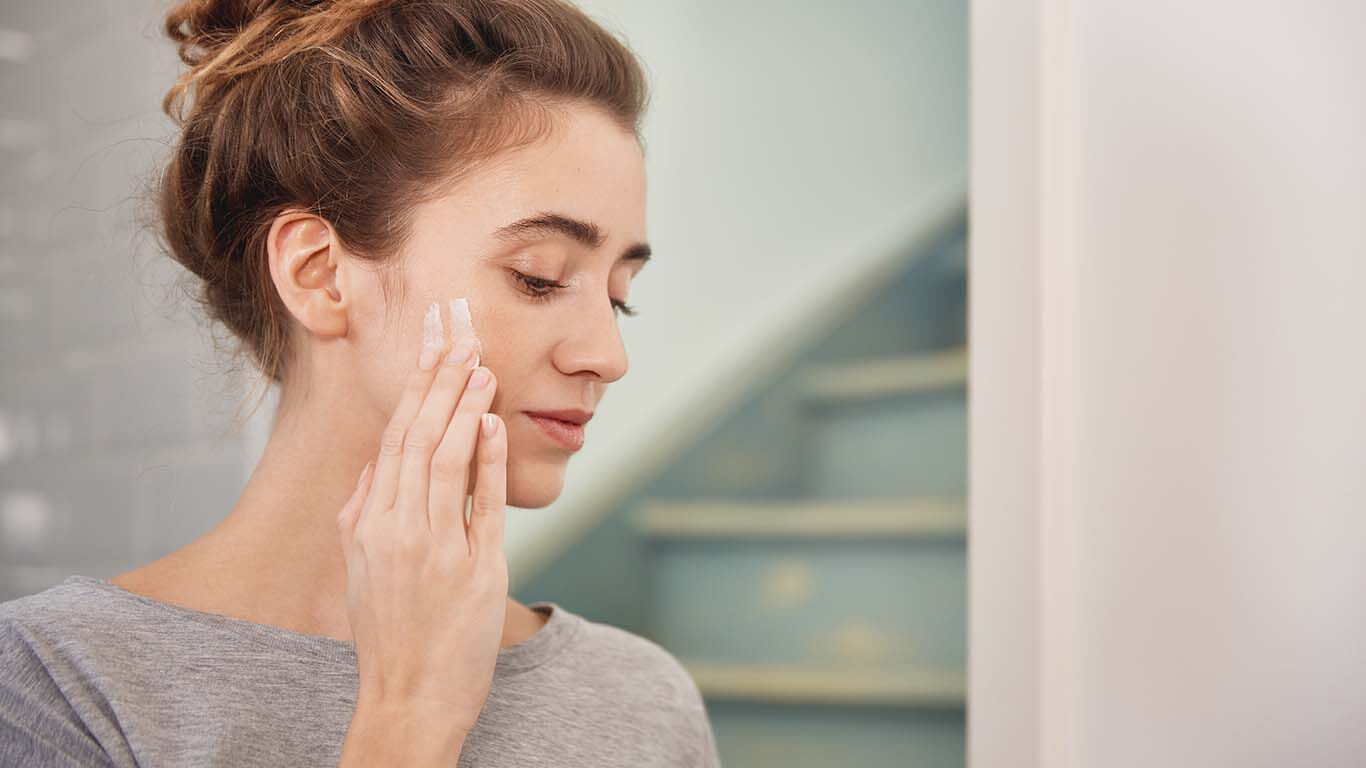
(565, 428)
(571, 415)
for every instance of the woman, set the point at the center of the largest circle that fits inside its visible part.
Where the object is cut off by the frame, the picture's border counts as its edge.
(388, 202)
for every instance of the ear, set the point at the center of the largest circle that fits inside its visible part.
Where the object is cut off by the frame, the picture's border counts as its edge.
(304, 256)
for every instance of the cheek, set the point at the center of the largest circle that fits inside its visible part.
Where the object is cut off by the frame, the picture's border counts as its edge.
(524, 444)
(508, 399)
(383, 363)
(385, 339)
(520, 358)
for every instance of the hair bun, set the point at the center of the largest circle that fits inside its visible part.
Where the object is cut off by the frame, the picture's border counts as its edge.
(201, 28)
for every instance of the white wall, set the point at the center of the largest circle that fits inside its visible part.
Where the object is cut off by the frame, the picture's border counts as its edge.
(115, 442)
(1184, 570)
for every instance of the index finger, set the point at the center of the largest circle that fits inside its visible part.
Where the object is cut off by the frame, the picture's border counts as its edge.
(384, 484)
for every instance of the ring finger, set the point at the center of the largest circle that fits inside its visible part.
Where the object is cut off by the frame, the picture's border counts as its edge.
(451, 464)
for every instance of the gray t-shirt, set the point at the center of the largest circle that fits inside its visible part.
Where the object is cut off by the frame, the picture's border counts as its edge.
(92, 674)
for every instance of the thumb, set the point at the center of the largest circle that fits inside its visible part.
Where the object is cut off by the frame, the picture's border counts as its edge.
(350, 513)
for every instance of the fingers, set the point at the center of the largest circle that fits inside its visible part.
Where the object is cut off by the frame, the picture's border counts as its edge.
(427, 431)
(451, 464)
(384, 487)
(490, 489)
(350, 513)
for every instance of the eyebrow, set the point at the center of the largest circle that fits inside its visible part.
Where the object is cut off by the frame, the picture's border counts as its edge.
(585, 232)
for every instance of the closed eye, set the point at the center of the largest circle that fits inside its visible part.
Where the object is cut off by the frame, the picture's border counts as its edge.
(540, 290)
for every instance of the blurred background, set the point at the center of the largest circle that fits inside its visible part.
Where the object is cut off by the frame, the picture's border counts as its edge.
(1166, 426)
(775, 493)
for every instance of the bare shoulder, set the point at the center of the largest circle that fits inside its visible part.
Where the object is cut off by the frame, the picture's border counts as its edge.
(157, 580)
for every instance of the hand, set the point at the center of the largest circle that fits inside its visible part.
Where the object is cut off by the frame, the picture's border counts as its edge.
(427, 593)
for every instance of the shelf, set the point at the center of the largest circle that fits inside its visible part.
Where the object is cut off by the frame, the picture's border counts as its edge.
(822, 519)
(935, 687)
(831, 383)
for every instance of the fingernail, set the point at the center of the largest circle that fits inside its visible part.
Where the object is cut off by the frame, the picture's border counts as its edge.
(479, 378)
(490, 425)
(364, 471)
(433, 338)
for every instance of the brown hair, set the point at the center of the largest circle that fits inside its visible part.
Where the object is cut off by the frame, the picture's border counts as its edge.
(355, 110)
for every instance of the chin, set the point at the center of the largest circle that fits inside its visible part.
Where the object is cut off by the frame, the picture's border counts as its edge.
(534, 483)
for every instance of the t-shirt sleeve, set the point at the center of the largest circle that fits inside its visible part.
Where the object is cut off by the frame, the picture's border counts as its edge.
(711, 758)
(704, 744)
(38, 727)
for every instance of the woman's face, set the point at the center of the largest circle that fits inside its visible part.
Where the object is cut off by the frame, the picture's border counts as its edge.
(558, 351)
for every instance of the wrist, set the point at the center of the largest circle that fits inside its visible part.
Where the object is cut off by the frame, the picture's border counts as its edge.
(405, 732)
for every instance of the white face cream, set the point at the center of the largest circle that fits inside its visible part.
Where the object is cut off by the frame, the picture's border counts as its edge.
(462, 324)
(433, 335)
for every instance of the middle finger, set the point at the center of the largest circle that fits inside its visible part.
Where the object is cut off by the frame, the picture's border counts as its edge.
(384, 486)
(428, 429)
(451, 466)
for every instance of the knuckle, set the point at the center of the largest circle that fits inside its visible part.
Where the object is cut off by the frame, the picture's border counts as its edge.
(418, 382)
(465, 422)
(360, 540)
(448, 561)
(419, 439)
(449, 462)
(485, 501)
(367, 533)
(391, 440)
(409, 544)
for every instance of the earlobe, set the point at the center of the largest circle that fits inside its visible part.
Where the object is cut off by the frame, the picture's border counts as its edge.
(303, 254)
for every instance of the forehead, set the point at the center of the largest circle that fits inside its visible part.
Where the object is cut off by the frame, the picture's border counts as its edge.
(587, 168)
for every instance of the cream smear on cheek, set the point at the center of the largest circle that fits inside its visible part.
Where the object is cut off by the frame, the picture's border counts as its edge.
(462, 324)
(434, 332)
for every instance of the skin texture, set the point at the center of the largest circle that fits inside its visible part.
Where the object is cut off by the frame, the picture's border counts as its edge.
(275, 558)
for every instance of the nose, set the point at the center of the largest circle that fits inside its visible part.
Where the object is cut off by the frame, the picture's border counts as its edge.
(593, 343)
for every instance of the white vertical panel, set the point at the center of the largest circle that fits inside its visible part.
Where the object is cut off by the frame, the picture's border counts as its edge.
(1168, 421)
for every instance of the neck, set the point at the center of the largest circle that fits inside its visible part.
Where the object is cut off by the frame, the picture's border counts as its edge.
(279, 550)
(276, 558)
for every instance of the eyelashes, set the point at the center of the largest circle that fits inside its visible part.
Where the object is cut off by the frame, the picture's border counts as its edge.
(540, 289)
